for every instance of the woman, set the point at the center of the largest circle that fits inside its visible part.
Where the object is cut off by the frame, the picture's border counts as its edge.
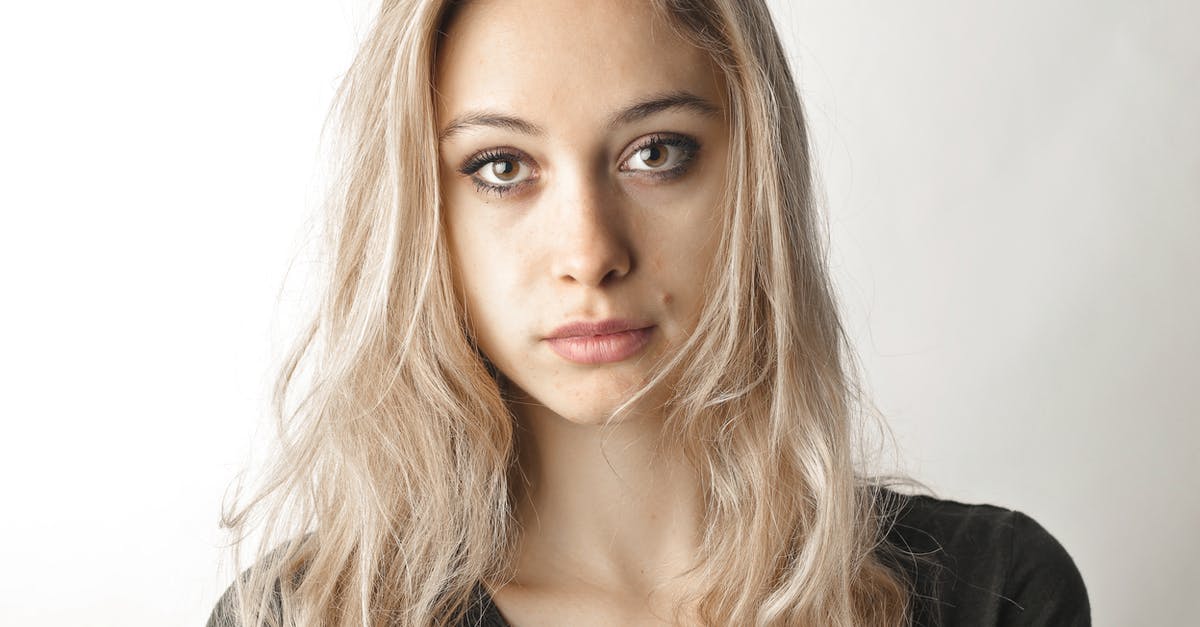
(578, 361)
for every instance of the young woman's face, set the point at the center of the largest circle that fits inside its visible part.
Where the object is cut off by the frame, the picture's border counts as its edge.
(583, 154)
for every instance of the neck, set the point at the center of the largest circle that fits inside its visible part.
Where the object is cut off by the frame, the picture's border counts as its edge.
(603, 506)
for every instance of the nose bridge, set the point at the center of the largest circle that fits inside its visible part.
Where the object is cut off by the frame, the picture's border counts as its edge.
(592, 244)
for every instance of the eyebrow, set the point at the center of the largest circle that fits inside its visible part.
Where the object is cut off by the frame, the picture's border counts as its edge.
(681, 100)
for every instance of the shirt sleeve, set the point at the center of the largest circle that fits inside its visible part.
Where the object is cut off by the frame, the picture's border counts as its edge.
(1043, 583)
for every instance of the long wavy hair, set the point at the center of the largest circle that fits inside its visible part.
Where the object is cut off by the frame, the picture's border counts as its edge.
(390, 497)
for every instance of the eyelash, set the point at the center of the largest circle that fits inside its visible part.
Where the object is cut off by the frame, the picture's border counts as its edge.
(690, 146)
(475, 163)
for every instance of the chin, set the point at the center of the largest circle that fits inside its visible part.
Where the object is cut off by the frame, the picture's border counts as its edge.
(595, 414)
(586, 404)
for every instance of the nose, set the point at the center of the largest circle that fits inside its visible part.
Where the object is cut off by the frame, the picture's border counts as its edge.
(592, 247)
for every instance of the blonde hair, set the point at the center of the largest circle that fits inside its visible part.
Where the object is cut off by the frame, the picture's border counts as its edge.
(390, 499)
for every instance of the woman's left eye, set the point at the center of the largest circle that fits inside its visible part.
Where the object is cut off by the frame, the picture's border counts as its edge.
(661, 155)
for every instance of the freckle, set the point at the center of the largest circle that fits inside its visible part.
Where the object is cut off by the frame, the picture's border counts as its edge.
(667, 298)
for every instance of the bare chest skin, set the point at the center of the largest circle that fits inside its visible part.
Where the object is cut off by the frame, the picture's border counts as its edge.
(523, 607)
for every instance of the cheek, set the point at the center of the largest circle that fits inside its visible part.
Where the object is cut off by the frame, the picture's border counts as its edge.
(681, 236)
(682, 269)
(487, 271)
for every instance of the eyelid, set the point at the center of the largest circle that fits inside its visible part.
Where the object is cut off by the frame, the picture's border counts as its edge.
(471, 164)
(688, 144)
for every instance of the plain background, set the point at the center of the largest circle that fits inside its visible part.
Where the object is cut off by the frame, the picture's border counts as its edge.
(1014, 193)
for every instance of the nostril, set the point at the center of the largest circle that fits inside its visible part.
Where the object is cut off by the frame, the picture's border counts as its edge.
(614, 275)
(595, 270)
(591, 244)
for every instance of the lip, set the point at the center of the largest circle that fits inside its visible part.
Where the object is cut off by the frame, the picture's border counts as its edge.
(603, 342)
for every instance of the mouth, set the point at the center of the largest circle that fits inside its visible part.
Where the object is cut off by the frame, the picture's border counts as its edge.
(608, 341)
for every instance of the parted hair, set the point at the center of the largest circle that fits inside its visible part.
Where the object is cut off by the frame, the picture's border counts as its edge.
(390, 495)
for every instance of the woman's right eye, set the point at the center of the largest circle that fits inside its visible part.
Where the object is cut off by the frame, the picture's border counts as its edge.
(497, 171)
(503, 172)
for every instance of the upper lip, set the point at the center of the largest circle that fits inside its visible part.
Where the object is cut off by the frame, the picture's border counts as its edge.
(601, 327)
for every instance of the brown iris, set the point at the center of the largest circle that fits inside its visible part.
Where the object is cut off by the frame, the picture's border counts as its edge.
(653, 155)
(505, 169)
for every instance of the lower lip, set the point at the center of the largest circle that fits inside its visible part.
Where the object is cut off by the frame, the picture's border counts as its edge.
(601, 349)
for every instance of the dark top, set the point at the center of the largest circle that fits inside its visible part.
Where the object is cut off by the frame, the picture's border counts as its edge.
(976, 565)
(986, 565)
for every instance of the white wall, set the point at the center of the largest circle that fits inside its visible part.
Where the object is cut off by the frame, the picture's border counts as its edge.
(1012, 186)
(1014, 194)
(157, 164)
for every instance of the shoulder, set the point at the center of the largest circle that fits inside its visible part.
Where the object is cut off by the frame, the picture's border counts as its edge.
(261, 586)
(227, 611)
(980, 564)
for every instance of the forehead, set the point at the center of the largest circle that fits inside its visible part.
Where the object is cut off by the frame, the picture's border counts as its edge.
(560, 59)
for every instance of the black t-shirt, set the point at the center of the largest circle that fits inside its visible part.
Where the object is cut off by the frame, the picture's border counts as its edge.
(986, 565)
(975, 565)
